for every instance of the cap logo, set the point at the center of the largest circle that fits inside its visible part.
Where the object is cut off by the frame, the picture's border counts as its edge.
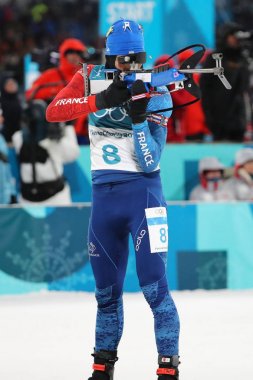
(126, 26)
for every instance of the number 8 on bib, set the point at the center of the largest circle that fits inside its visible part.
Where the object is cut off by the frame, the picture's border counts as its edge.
(157, 229)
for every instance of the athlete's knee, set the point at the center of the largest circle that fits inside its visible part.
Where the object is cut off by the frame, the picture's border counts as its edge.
(109, 297)
(155, 293)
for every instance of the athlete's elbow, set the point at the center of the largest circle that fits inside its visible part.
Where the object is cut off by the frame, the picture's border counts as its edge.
(149, 166)
(147, 170)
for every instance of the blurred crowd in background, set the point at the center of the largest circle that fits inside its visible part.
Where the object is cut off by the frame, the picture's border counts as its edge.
(61, 34)
(40, 26)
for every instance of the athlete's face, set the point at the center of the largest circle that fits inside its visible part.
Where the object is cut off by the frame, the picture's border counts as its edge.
(125, 66)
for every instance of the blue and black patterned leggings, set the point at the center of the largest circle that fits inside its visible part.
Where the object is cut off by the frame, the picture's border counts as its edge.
(119, 210)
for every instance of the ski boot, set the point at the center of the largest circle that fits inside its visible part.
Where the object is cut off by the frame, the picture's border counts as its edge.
(103, 365)
(168, 367)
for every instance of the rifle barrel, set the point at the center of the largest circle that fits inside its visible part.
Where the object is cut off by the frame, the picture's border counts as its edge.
(213, 70)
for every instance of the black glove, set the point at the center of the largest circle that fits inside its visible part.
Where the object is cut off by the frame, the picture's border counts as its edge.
(115, 95)
(137, 108)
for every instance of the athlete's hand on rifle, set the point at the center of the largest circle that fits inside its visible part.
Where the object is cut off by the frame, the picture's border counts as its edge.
(138, 105)
(115, 95)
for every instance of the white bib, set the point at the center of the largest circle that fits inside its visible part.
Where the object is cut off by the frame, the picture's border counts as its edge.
(157, 229)
(112, 149)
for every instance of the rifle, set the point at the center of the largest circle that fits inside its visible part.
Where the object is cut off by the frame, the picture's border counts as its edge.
(162, 75)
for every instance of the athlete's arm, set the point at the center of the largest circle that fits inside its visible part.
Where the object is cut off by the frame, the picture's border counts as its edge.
(71, 102)
(150, 132)
(149, 141)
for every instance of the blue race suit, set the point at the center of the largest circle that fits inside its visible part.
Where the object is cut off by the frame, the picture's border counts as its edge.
(127, 194)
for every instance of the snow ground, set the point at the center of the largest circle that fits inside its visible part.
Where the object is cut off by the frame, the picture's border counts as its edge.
(50, 335)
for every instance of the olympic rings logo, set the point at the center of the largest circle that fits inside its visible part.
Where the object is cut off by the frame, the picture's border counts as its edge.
(119, 115)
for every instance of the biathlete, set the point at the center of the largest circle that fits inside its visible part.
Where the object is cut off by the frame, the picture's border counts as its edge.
(127, 196)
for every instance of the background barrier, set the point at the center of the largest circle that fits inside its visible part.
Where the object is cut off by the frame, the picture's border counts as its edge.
(179, 169)
(211, 247)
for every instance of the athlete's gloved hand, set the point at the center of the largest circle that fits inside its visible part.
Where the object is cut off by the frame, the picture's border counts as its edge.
(115, 95)
(137, 108)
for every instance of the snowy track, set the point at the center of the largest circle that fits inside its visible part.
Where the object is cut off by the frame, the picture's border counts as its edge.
(49, 336)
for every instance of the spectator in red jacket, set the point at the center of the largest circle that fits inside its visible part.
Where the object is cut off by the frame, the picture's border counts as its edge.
(51, 81)
(191, 118)
(186, 123)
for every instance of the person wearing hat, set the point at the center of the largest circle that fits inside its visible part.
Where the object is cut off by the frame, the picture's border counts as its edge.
(186, 123)
(211, 186)
(228, 114)
(240, 186)
(52, 80)
(72, 52)
(126, 147)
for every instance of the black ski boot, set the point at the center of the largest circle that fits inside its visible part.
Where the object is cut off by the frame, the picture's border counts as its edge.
(103, 365)
(168, 367)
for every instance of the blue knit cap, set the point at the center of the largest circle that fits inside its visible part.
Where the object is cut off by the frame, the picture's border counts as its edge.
(124, 37)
